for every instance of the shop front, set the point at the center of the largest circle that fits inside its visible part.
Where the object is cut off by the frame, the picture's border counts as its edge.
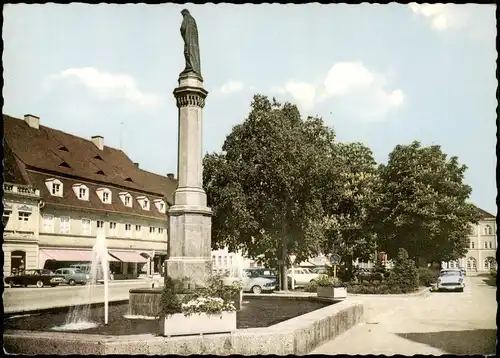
(129, 266)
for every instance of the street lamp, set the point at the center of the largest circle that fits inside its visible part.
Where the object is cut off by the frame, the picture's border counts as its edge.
(292, 258)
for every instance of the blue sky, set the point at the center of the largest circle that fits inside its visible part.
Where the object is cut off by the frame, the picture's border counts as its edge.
(380, 74)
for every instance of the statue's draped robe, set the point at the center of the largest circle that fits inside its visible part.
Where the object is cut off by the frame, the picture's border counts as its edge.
(189, 32)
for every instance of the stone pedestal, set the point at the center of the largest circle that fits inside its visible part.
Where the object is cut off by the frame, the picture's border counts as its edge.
(190, 218)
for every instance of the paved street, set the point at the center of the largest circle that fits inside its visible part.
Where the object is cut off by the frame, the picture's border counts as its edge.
(20, 299)
(435, 324)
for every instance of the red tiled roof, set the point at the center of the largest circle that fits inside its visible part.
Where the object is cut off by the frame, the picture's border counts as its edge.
(484, 214)
(35, 155)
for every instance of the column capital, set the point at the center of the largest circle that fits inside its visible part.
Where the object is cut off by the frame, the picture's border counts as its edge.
(190, 96)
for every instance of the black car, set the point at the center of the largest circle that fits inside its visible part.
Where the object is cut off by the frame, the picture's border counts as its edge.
(39, 278)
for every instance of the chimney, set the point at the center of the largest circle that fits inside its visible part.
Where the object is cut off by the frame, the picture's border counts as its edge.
(98, 141)
(171, 175)
(33, 121)
(136, 164)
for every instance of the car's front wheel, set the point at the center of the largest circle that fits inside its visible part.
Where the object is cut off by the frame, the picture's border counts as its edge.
(257, 290)
(71, 282)
(39, 284)
(11, 284)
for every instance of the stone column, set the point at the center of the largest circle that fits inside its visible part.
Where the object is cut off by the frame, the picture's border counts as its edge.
(189, 218)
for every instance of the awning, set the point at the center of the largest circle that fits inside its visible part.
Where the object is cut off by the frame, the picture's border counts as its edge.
(128, 256)
(155, 252)
(77, 255)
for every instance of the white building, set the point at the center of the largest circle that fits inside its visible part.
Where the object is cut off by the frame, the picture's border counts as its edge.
(481, 255)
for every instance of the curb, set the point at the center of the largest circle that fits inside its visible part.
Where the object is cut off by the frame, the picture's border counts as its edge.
(418, 293)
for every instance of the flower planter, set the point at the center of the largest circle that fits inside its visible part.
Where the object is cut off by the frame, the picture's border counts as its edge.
(198, 323)
(332, 292)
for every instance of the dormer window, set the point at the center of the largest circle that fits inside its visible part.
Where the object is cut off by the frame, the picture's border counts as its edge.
(126, 199)
(54, 186)
(144, 202)
(160, 205)
(104, 194)
(81, 191)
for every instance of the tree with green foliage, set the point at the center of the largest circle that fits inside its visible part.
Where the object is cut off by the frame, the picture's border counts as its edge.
(404, 274)
(265, 186)
(351, 199)
(424, 205)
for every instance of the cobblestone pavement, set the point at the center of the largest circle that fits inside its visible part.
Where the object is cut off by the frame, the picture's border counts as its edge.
(434, 324)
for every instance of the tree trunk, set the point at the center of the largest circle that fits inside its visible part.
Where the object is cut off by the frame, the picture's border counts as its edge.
(284, 278)
(349, 267)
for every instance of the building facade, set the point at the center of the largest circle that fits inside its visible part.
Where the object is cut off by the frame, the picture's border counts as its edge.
(61, 190)
(21, 207)
(481, 254)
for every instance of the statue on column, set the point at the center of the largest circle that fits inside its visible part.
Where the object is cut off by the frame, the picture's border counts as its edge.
(189, 32)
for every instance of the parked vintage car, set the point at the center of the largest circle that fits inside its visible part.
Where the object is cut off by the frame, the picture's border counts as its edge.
(302, 276)
(39, 278)
(257, 281)
(87, 268)
(451, 279)
(267, 273)
(73, 275)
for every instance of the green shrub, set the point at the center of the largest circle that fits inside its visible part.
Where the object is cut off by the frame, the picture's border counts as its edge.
(328, 281)
(169, 302)
(427, 276)
(493, 273)
(311, 287)
(380, 269)
(404, 274)
(373, 289)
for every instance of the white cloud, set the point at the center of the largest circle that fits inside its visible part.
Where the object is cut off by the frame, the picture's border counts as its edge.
(345, 77)
(231, 87)
(354, 89)
(442, 16)
(303, 93)
(107, 86)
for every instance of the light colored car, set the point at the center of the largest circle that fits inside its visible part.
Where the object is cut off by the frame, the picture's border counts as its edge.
(253, 283)
(87, 269)
(302, 276)
(451, 279)
(73, 275)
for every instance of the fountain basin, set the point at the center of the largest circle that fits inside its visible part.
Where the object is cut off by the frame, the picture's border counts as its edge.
(298, 335)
